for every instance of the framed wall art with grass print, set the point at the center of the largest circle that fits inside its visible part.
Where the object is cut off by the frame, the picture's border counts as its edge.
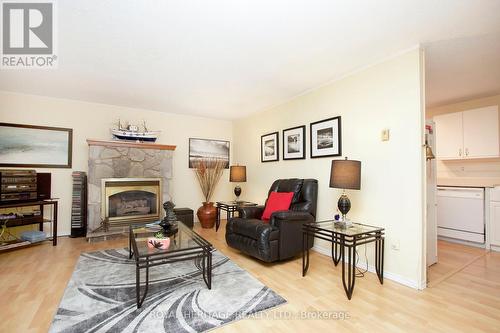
(269, 147)
(294, 143)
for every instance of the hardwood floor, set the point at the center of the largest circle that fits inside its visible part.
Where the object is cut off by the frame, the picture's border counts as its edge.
(452, 258)
(33, 280)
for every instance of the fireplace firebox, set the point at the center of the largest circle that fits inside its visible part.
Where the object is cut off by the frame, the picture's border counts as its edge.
(130, 200)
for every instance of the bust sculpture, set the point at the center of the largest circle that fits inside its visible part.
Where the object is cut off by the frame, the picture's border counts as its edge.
(168, 223)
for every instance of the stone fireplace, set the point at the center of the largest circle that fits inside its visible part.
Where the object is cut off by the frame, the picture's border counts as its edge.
(127, 182)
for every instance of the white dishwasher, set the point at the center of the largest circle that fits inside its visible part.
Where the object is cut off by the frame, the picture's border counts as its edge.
(460, 213)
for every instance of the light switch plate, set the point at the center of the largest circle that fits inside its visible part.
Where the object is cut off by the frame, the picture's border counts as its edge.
(395, 245)
(385, 134)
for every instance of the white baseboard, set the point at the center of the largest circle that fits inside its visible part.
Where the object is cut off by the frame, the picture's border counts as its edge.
(463, 242)
(387, 275)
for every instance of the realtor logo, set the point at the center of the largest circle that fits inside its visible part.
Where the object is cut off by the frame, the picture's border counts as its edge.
(28, 30)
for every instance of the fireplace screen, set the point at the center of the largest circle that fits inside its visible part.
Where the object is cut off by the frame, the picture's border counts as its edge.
(131, 203)
(131, 199)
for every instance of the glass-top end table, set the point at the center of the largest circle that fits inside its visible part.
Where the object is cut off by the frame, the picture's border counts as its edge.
(355, 229)
(344, 241)
(186, 244)
(230, 207)
(237, 203)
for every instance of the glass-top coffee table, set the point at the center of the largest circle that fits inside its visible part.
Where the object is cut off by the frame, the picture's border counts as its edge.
(344, 242)
(184, 245)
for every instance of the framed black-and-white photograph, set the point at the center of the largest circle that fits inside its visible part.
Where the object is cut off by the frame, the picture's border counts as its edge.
(269, 147)
(326, 137)
(294, 143)
(35, 146)
(202, 149)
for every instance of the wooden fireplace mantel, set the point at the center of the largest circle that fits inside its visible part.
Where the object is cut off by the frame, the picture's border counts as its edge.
(141, 145)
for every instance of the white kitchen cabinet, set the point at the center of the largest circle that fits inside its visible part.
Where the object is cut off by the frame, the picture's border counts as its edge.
(449, 136)
(495, 217)
(468, 134)
(481, 132)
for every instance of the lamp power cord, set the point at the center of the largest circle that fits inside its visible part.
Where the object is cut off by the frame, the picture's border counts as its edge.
(361, 272)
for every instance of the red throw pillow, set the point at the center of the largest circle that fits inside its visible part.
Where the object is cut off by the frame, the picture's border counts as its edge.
(277, 201)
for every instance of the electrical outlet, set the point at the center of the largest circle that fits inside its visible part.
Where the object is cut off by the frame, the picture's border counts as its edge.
(395, 245)
(385, 135)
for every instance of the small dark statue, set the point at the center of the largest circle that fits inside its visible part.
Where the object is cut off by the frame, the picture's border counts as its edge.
(169, 222)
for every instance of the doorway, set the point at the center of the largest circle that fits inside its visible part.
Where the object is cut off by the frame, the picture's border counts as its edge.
(462, 105)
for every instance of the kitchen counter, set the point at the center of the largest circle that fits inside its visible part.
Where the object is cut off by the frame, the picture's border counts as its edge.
(469, 182)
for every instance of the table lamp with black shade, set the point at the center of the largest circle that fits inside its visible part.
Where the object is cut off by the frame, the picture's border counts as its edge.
(346, 175)
(237, 174)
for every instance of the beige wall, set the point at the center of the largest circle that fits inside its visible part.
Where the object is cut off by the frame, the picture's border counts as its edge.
(387, 95)
(384, 96)
(90, 120)
(468, 169)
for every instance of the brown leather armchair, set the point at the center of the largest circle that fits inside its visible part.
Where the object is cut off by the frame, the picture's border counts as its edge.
(281, 238)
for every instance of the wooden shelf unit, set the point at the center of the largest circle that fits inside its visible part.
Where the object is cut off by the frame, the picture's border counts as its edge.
(40, 220)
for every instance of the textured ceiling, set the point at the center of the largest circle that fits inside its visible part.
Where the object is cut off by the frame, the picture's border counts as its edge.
(227, 59)
(462, 68)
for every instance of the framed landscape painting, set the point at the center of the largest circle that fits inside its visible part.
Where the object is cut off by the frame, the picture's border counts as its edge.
(202, 149)
(269, 147)
(35, 146)
(294, 143)
(326, 138)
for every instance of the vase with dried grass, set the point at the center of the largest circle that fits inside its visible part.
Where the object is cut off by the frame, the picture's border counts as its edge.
(208, 173)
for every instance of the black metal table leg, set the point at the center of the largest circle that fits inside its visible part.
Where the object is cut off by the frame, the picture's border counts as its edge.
(130, 244)
(351, 266)
(379, 257)
(54, 224)
(217, 218)
(209, 269)
(382, 260)
(137, 284)
(305, 253)
(140, 299)
(203, 267)
(206, 263)
(40, 226)
(335, 250)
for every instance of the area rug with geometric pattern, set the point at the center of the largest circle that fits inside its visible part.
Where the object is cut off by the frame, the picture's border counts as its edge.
(100, 297)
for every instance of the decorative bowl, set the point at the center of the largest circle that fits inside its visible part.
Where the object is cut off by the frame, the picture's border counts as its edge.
(157, 243)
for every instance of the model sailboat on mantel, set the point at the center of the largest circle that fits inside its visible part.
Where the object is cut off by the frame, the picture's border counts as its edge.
(133, 133)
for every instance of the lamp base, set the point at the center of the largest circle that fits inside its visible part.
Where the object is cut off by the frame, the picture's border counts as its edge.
(237, 192)
(344, 205)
